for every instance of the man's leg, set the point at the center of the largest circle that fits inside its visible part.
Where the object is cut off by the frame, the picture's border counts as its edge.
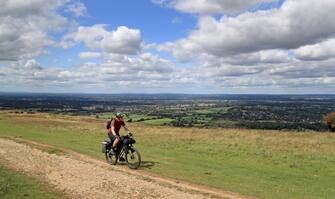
(116, 141)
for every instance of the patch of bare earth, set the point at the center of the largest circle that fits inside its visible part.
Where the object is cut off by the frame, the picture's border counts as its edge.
(83, 177)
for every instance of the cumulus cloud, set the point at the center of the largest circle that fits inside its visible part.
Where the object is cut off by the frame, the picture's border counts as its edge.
(263, 56)
(121, 41)
(320, 51)
(302, 69)
(295, 76)
(18, 8)
(246, 59)
(77, 8)
(24, 27)
(210, 6)
(295, 24)
(123, 73)
(285, 48)
(89, 55)
(116, 71)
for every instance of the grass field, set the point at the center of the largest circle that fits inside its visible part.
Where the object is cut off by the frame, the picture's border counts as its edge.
(266, 164)
(16, 186)
(162, 121)
(137, 117)
(213, 110)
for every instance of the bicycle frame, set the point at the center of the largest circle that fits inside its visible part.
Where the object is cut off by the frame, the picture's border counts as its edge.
(123, 151)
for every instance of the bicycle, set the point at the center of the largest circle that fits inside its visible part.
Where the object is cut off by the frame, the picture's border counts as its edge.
(125, 151)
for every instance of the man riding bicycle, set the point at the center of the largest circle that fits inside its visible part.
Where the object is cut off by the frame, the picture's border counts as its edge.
(113, 129)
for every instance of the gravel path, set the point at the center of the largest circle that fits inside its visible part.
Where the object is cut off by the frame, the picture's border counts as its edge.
(83, 177)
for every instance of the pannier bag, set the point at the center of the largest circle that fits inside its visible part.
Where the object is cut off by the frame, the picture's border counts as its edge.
(104, 145)
(129, 141)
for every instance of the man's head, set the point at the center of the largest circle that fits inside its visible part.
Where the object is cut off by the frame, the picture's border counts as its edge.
(119, 115)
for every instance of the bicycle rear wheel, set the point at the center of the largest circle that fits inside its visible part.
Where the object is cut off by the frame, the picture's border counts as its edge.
(111, 158)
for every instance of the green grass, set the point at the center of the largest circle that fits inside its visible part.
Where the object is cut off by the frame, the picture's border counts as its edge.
(134, 117)
(15, 185)
(106, 116)
(224, 123)
(266, 164)
(212, 110)
(162, 121)
(137, 117)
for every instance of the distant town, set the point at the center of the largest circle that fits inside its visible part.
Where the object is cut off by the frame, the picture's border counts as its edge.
(281, 112)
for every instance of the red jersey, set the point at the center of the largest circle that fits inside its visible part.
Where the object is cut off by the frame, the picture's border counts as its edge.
(117, 125)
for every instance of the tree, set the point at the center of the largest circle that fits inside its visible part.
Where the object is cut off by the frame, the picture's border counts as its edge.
(329, 120)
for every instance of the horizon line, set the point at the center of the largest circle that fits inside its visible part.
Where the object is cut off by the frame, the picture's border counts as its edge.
(154, 93)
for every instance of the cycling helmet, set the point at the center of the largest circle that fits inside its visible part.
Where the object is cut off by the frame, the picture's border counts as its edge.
(119, 114)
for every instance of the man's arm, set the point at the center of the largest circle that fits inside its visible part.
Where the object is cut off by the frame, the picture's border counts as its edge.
(113, 131)
(126, 128)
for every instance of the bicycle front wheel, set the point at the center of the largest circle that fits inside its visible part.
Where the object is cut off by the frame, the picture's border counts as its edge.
(133, 158)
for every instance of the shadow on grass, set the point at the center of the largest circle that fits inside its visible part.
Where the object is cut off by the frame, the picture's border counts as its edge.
(148, 164)
(144, 164)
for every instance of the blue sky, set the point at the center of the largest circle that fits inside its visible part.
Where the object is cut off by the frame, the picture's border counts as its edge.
(155, 22)
(188, 46)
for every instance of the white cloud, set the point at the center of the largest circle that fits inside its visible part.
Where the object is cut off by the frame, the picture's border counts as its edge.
(296, 23)
(246, 59)
(271, 50)
(287, 48)
(294, 77)
(89, 55)
(116, 72)
(24, 27)
(148, 72)
(303, 69)
(121, 41)
(19, 8)
(319, 51)
(32, 65)
(77, 8)
(210, 6)
(158, 1)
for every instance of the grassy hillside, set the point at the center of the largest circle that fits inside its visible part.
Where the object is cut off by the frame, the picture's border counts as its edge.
(15, 185)
(267, 164)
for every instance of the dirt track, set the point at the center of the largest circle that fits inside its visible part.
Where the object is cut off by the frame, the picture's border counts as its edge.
(83, 177)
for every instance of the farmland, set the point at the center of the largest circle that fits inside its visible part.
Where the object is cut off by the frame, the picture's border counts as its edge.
(276, 112)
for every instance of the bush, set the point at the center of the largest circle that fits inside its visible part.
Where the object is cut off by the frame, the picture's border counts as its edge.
(329, 120)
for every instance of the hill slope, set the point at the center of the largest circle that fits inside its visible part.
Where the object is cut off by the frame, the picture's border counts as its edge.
(266, 164)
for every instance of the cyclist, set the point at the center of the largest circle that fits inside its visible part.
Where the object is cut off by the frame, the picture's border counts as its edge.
(113, 129)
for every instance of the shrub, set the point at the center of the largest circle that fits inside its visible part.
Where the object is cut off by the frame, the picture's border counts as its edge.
(329, 120)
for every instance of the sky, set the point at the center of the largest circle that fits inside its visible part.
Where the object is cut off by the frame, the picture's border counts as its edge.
(168, 46)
